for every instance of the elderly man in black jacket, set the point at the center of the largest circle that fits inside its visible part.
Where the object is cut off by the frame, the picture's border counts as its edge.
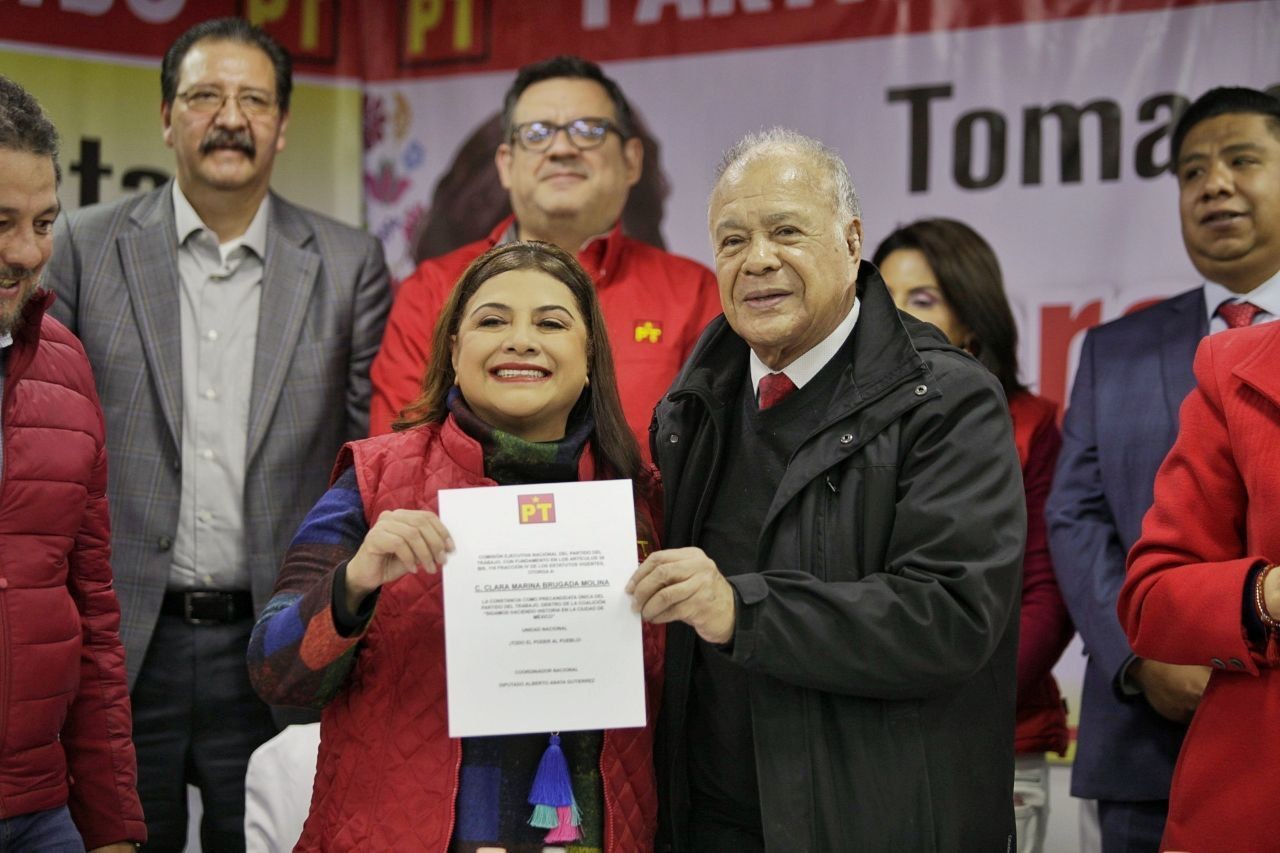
(845, 527)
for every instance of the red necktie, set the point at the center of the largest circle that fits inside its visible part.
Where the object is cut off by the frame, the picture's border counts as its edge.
(774, 388)
(1238, 314)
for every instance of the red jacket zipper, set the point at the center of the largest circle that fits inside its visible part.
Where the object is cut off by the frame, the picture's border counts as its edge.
(453, 798)
(608, 805)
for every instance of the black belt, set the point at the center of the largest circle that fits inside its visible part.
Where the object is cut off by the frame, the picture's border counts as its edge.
(208, 606)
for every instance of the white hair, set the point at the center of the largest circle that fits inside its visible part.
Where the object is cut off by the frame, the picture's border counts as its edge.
(846, 198)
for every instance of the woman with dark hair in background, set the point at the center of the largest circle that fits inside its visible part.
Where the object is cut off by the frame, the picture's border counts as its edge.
(521, 389)
(943, 272)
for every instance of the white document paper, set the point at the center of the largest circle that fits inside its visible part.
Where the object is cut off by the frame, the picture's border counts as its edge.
(539, 631)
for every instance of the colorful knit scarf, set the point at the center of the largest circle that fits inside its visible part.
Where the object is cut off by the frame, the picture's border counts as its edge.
(512, 461)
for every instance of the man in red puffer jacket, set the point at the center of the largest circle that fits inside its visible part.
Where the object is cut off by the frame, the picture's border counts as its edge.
(67, 770)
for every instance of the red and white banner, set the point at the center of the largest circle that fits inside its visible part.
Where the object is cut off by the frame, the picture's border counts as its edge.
(1048, 133)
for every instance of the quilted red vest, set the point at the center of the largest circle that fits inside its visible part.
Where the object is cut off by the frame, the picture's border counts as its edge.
(389, 780)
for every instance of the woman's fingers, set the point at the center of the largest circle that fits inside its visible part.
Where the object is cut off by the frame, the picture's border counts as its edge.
(403, 540)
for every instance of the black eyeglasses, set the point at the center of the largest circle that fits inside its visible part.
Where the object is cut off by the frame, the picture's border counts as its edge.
(584, 133)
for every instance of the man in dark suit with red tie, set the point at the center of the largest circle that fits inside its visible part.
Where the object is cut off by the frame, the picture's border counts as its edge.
(1123, 417)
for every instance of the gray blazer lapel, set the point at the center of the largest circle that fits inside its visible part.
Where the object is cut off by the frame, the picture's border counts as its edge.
(1182, 330)
(288, 278)
(149, 259)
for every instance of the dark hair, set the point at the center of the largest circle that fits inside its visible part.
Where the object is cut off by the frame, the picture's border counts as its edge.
(566, 66)
(227, 29)
(612, 443)
(969, 277)
(24, 126)
(1222, 101)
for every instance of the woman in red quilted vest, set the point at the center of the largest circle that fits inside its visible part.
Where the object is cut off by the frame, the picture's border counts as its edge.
(943, 272)
(520, 389)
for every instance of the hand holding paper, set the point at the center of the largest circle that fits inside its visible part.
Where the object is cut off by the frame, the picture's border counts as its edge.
(401, 541)
(684, 585)
(539, 632)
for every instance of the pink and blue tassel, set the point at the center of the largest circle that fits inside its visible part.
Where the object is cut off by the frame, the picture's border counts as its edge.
(554, 806)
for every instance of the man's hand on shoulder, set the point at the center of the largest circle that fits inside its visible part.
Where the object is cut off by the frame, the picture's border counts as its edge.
(684, 585)
(118, 847)
(1173, 690)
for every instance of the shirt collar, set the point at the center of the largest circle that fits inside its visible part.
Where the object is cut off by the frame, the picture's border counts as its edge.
(1266, 296)
(510, 234)
(809, 364)
(598, 252)
(187, 222)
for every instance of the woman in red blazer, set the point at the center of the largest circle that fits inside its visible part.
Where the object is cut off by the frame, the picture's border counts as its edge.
(943, 272)
(1200, 590)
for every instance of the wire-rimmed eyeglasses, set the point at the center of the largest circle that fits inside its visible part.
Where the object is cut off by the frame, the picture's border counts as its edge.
(250, 101)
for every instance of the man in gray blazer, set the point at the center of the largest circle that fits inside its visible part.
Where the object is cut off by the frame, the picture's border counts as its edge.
(231, 335)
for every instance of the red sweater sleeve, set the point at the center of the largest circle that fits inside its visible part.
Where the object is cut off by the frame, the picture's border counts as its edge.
(1045, 624)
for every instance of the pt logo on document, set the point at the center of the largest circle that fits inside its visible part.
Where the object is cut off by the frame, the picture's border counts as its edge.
(537, 509)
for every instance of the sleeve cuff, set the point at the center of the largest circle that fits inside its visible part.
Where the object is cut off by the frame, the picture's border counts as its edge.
(1126, 686)
(349, 624)
(748, 589)
(726, 647)
(1255, 632)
